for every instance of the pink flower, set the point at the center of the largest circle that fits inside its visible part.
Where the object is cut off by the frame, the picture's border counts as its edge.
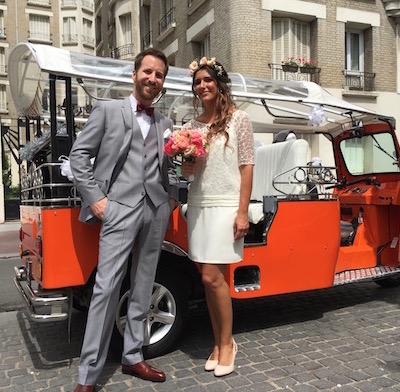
(203, 61)
(187, 143)
(193, 67)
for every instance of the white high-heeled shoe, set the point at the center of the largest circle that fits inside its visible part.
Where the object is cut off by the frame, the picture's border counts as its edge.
(211, 364)
(221, 370)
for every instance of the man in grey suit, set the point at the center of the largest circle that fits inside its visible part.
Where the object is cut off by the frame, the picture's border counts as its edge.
(131, 188)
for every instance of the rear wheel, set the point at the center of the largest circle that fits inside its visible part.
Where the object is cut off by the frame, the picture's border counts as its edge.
(166, 318)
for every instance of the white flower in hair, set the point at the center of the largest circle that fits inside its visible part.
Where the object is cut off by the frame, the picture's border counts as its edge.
(195, 65)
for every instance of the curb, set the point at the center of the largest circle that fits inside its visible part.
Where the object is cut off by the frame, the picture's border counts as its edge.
(9, 256)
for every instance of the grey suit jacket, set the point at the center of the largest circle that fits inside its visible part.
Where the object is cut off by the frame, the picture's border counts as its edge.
(107, 137)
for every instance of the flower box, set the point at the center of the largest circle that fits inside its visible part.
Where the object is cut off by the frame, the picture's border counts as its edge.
(308, 70)
(289, 68)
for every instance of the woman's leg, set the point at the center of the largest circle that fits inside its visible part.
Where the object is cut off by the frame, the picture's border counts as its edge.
(219, 303)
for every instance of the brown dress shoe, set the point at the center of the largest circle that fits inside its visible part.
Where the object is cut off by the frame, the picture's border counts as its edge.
(144, 371)
(84, 388)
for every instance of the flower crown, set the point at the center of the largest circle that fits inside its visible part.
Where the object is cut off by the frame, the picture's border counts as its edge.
(195, 65)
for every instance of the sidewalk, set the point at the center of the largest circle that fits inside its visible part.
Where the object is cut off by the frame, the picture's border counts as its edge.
(9, 239)
(343, 339)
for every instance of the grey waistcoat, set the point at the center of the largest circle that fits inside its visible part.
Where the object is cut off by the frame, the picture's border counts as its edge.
(140, 174)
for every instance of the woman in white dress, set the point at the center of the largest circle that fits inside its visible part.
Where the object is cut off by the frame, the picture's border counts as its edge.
(218, 199)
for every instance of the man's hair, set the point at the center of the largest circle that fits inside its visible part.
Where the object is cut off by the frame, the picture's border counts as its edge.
(151, 52)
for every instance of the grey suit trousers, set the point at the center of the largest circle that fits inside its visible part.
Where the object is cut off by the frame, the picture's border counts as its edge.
(139, 230)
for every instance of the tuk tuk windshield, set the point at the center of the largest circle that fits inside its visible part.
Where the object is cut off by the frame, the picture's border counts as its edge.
(370, 154)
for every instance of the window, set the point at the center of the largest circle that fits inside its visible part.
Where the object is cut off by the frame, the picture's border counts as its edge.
(87, 32)
(39, 27)
(99, 31)
(3, 69)
(2, 30)
(147, 39)
(126, 29)
(205, 46)
(290, 38)
(167, 19)
(69, 30)
(3, 97)
(354, 50)
(168, 5)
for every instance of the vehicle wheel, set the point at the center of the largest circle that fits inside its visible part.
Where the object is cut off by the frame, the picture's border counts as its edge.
(166, 317)
(390, 281)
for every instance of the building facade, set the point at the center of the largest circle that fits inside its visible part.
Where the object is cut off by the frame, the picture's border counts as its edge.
(353, 45)
(62, 23)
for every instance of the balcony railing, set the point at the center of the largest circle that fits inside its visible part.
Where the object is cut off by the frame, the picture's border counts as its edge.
(43, 3)
(280, 72)
(88, 40)
(361, 81)
(88, 4)
(147, 40)
(69, 3)
(70, 38)
(123, 51)
(39, 35)
(166, 22)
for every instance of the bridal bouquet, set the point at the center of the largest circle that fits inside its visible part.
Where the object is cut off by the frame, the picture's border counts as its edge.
(187, 143)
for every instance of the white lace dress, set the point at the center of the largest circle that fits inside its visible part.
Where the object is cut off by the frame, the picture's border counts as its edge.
(213, 196)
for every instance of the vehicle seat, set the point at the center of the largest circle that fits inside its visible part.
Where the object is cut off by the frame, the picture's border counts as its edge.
(271, 160)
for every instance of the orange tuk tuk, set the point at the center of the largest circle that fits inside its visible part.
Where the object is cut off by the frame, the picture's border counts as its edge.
(312, 226)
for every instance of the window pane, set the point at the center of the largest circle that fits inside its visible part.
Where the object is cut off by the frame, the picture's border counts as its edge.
(355, 51)
(205, 46)
(370, 154)
(290, 38)
(3, 98)
(39, 27)
(126, 28)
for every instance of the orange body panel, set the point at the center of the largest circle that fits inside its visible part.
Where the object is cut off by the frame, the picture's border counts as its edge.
(376, 240)
(301, 250)
(69, 247)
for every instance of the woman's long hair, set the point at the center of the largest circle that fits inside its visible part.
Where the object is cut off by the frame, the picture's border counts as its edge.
(224, 104)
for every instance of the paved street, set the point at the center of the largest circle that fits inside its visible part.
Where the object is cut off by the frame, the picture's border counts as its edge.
(342, 339)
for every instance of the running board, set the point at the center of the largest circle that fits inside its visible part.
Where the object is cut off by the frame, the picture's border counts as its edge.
(364, 274)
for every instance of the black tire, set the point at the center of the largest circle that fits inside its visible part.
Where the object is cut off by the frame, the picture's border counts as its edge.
(166, 319)
(388, 282)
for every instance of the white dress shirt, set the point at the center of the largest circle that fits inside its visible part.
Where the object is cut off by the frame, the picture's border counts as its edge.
(142, 117)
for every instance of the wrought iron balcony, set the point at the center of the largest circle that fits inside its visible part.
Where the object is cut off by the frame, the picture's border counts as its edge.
(43, 3)
(361, 81)
(166, 22)
(39, 36)
(88, 4)
(69, 3)
(282, 72)
(86, 40)
(124, 51)
(70, 38)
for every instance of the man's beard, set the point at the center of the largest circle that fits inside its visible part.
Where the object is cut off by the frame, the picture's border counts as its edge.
(145, 92)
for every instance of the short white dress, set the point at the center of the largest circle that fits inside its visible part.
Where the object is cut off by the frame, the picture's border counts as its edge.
(213, 196)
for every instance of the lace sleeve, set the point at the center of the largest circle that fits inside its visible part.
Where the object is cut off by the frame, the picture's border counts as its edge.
(245, 137)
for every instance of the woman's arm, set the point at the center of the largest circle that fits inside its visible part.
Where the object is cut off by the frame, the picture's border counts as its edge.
(241, 223)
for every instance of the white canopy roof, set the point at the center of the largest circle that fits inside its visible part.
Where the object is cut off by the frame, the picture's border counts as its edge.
(272, 104)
